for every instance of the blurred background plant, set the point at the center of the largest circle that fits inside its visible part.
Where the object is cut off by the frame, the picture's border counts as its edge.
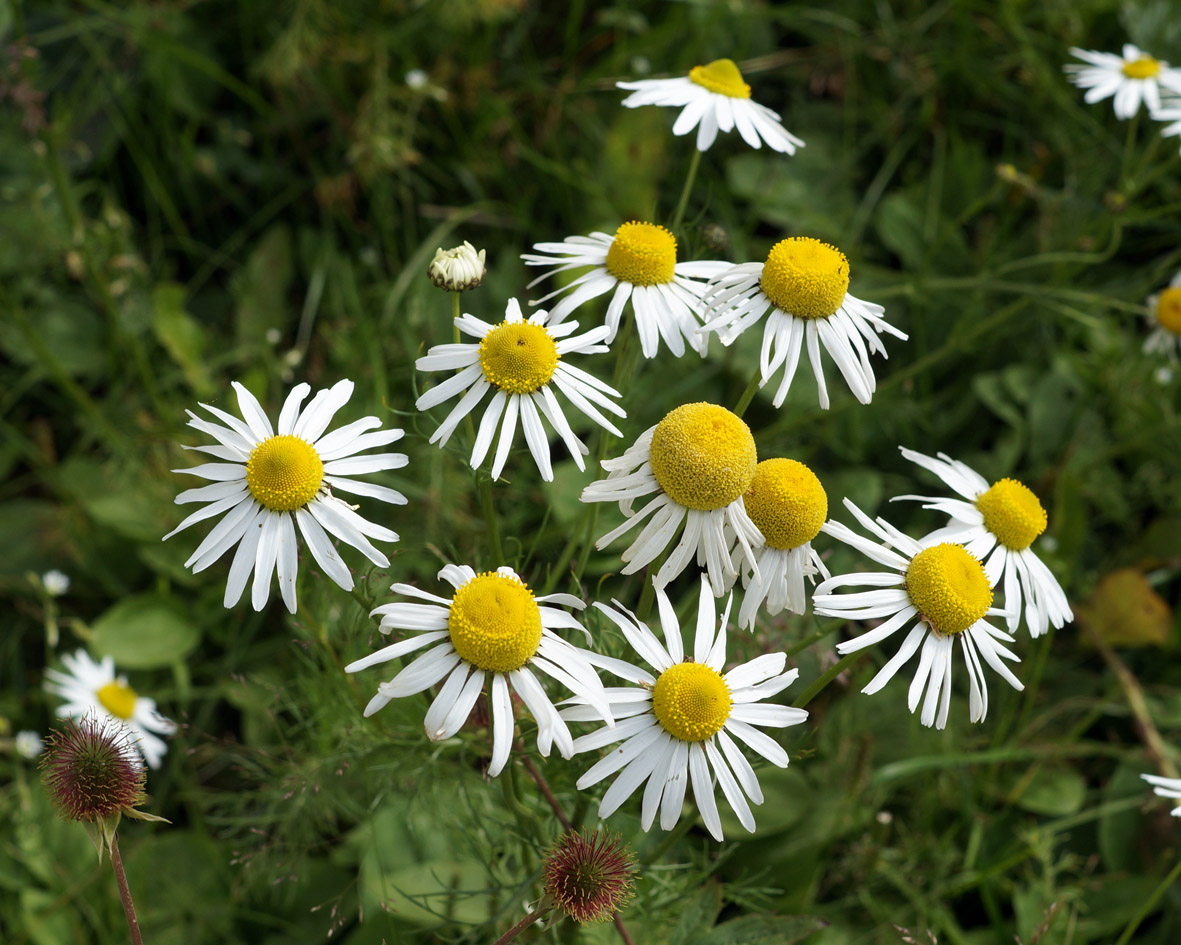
(198, 192)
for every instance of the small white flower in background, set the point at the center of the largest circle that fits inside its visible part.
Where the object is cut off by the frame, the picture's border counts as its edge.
(678, 727)
(998, 524)
(698, 461)
(28, 744)
(1163, 375)
(637, 264)
(270, 483)
(939, 586)
(417, 79)
(1165, 787)
(803, 285)
(712, 98)
(458, 269)
(1129, 79)
(93, 689)
(521, 363)
(1162, 311)
(788, 505)
(492, 628)
(55, 582)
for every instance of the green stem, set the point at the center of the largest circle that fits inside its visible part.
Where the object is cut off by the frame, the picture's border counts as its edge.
(125, 892)
(454, 315)
(748, 395)
(684, 201)
(814, 638)
(833, 672)
(543, 907)
(1149, 903)
(684, 825)
(1129, 147)
(490, 518)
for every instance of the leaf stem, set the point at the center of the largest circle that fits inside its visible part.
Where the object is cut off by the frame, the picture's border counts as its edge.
(690, 176)
(125, 892)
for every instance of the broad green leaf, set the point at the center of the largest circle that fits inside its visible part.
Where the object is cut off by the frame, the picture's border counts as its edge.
(180, 335)
(145, 632)
(1053, 791)
(697, 914)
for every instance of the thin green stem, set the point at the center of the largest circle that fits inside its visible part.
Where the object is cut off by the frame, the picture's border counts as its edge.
(125, 892)
(833, 672)
(1133, 127)
(543, 907)
(490, 517)
(1149, 903)
(454, 315)
(756, 380)
(690, 176)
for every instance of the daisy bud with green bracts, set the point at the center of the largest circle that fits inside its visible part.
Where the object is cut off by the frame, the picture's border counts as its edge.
(458, 269)
(589, 875)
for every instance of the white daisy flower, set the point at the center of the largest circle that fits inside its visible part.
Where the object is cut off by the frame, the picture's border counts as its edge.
(678, 727)
(639, 263)
(941, 587)
(269, 483)
(492, 627)
(788, 505)
(1129, 79)
(714, 98)
(93, 689)
(1163, 787)
(1163, 312)
(699, 460)
(999, 521)
(804, 286)
(521, 362)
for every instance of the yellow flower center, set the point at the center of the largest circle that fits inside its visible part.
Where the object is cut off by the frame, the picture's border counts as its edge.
(949, 588)
(118, 699)
(721, 76)
(519, 358)
(1168, 310)
(787, 502)
(494, 622)
(284, 473)
(1012, 513)
(1143, 68)
(703, 456)
(642, 254)
(805, 277)
(691, 701)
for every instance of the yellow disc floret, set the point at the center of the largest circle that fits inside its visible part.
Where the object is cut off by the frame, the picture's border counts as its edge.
(1143, 68)
(519, 358)
(1168, 310)
(721, 76)
(805, 277)
(948, 587)
(787, 502)
(494, 622)
(284, 473)
(642, 254)
(118, 699)
(1012, 513)
(703, 456)
(691, 701)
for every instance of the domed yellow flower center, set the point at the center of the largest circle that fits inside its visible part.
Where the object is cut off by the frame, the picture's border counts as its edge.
(284, 473)
(494, 622)
(1168, 310)
(787, 502)
(1012, 513)
(805, 277)
(949, 588)
(642, 254)
(118, 699)
(1143, 68)
(703, 456)
(721, 76)
(519, 358)
(691, 701)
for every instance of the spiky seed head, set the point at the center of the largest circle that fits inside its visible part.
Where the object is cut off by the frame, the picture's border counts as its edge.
(91, 769)
(589, 875)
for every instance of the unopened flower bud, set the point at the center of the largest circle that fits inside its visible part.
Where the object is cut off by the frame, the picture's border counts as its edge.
(589, 875)
(458, 269)
(55, 582)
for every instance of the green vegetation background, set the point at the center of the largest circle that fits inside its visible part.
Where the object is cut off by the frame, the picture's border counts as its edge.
(196, 192)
